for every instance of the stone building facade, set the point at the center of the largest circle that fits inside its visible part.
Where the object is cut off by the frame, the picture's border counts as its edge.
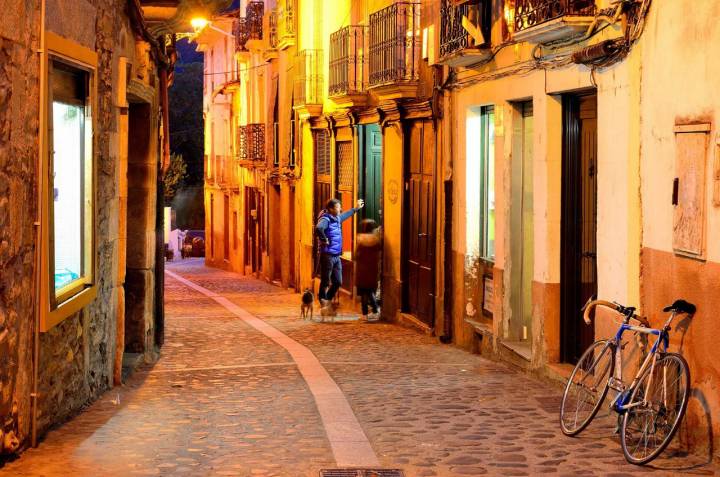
(81, 149)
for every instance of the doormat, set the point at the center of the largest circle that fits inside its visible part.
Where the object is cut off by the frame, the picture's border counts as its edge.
(361, 473)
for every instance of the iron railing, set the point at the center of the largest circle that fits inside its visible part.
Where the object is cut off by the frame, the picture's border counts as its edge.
(241, 33)
(285, 22)
(251, 142)
(249, 27)
(453, 36)
(272, 30)
(395, 44)
(348, 68)
(529, 13)
(309, 79)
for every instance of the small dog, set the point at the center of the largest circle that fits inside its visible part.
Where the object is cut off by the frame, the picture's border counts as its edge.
(306, 308)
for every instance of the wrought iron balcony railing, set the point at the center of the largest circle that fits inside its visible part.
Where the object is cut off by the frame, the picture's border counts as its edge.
(454, 37)
(273, 30)
(395, 44)
(348, 67)
(241, 33)
(285, 24)
(529, 13)
(251, 142)
(309, 79)
(249, 27)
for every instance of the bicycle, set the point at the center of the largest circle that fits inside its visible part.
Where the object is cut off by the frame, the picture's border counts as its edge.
(651, 408)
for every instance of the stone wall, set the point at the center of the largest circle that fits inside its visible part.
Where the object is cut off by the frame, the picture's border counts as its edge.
(77, 356)
(19, 36)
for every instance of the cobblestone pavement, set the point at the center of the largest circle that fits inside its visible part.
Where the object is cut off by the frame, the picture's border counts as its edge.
(226, 400)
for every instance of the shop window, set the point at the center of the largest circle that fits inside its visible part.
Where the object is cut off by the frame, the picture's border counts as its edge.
(71, 174)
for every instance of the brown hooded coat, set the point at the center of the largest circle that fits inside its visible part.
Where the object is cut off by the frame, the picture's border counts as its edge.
(367, 260)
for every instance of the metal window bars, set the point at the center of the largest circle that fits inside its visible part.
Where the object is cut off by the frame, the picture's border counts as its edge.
(529, 13)
(395, 43)
(453, 36)
(285, 23)
(272, 30)
(251, 142)
(348, 61)
(309, 79)
(249, 27)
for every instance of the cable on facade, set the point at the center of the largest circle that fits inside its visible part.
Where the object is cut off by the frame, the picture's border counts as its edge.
(243, 70)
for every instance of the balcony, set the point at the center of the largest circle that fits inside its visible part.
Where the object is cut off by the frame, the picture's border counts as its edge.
(309, 83)
(251, 144)
(248, 30)
(541, 21)
(271, 50)
(464, 33)
(395, 50)
(348, 80)
(285, 24)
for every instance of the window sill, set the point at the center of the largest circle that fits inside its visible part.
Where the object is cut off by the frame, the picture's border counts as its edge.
(69, 307)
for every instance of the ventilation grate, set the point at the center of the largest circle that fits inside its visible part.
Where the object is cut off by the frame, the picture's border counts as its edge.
(361, 473)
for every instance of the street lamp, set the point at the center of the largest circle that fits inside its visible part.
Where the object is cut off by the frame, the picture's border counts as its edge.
(200, 23)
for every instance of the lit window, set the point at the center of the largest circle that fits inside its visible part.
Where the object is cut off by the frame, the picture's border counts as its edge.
(487, 182)
(480, 134)
(71, 182)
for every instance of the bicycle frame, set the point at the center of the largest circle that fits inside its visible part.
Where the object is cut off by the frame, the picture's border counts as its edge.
(620, 404)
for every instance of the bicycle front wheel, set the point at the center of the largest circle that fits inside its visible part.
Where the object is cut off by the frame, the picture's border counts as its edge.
(657, 406)
(587, 387)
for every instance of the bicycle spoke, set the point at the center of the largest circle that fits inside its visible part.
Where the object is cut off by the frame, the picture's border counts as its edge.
(586, 388)
(648, 427)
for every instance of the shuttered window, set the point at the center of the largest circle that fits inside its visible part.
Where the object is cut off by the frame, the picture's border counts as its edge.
(691, 145)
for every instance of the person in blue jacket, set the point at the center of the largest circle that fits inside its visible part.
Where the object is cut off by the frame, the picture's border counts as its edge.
(329, 232)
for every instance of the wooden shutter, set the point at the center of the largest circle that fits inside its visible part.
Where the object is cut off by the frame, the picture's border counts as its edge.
(691, 144)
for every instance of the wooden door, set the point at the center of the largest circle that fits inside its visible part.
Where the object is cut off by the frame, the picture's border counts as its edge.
(371, 172)
(419, 226)
(251, 236)
(578, 259)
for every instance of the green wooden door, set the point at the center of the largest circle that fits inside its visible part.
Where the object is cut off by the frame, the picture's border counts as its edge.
(371, 172)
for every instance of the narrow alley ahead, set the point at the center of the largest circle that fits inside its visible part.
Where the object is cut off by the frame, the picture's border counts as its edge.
(245, 387)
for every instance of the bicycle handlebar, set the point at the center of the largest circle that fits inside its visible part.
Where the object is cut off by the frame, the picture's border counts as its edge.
(627, 312)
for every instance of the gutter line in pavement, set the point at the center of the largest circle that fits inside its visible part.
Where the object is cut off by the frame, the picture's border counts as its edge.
(348, 441)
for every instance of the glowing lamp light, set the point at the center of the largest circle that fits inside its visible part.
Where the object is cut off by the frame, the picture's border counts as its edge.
(198, 24)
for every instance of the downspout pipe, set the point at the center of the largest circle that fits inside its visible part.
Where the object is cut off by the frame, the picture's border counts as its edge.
(38, 228)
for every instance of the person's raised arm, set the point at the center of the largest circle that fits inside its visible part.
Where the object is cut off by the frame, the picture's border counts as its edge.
(346, 215)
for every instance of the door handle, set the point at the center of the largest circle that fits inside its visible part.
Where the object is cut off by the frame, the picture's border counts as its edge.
(422, 235)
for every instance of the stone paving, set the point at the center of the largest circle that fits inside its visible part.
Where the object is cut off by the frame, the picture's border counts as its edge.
(226, 400)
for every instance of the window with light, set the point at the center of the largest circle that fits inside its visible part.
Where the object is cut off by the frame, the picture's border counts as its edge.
(480, 154)
(71, 181)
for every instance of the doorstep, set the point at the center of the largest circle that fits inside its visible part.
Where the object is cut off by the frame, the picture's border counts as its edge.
(520, 348)
(411, 321)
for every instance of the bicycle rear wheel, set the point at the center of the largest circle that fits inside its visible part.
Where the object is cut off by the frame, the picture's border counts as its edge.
(663, 393)
(587, 387)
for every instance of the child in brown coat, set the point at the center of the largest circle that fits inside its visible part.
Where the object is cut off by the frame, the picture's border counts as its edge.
(367, 265)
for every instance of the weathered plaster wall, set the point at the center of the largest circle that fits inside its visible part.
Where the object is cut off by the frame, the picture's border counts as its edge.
(678, 68)
(19, 83)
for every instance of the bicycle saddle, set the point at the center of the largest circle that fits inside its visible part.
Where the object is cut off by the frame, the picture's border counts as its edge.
(681, 306)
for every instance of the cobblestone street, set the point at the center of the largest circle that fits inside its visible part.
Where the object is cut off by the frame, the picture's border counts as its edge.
(231, 396)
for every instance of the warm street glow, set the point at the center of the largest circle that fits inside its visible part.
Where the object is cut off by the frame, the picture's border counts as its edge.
(198, 23)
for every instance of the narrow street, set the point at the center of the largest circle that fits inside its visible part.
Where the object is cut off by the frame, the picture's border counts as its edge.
(245, 387)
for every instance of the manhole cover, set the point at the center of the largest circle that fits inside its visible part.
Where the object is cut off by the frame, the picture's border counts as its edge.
(361, 473)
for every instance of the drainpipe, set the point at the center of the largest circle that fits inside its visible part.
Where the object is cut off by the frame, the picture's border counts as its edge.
(38, 228)
(441, 94)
